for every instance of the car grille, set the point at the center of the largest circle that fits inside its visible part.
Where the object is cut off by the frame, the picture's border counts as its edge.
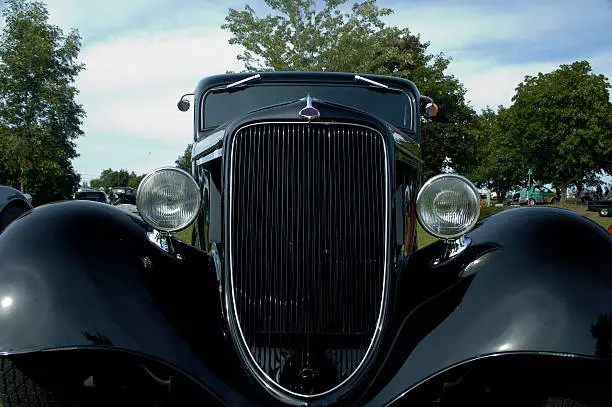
(307, 248)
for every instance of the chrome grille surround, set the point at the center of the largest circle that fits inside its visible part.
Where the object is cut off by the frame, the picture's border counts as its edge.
(249, 351)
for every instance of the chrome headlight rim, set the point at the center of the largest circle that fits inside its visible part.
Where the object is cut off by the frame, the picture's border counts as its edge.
(148, 220)
(424, 188)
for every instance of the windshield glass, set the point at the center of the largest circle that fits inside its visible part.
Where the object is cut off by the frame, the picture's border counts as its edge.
(222, 106)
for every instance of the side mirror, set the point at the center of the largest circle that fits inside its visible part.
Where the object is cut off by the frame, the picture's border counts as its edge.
(431, 109)
(183, 104)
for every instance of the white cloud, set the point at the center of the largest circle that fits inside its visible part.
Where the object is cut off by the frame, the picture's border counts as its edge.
(133, 79)
(452, 26)
(494, 85)
(130, 88)
(92, 16)
(458, 29)
(131, 84)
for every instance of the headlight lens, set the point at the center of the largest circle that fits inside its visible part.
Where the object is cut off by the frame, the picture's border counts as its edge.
(168, 199)
(448, 205)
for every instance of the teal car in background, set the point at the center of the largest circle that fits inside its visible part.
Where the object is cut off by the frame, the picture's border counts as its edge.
(537, 194)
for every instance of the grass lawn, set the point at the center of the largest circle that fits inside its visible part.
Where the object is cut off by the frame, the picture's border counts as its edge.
(425, 238)
(184, 235)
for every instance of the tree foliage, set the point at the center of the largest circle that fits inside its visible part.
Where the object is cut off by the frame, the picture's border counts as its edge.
(184, 160)
(562, 124)
(498, 164)
(39, 117)
(300, 37)
(110, 178)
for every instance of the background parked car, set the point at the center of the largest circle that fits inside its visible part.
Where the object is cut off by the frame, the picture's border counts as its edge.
(537, 194)
(604, 207)
(115, 193)
(91, 195)
(125, 201)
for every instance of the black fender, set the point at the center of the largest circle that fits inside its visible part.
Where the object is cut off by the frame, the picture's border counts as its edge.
(83, 275)
(12, 205)
(534, 281)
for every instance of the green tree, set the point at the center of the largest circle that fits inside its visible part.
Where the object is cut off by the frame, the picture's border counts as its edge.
(401, 53)
(110, 178)
(134, 180)
(184, 160)
(562, 124)
(39, 117)
(498, 166)
(300, 37)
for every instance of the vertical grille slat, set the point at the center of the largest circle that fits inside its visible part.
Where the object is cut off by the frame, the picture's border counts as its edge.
(306, 238)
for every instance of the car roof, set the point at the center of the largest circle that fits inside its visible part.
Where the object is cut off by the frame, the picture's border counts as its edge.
(300, 76)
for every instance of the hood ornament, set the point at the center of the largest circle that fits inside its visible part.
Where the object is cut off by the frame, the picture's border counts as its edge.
(309, 112)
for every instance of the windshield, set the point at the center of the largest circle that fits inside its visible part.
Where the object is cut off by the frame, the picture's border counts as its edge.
(391, 106)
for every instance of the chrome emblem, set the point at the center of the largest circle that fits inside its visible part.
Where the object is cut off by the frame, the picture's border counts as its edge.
(309, 112)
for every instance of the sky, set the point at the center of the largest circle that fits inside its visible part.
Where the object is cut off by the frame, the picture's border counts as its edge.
(142, 55)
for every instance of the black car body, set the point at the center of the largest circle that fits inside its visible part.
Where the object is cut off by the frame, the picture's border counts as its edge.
(13, 204)
(303, 284)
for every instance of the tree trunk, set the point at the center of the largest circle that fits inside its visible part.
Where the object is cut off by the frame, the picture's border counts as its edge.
(562, 198)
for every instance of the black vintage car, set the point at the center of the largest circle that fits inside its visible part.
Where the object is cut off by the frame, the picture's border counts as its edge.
(303, 284)
(13, 204)
(91, 195)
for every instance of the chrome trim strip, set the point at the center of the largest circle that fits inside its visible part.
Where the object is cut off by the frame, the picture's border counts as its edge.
(209, 157)
(208, 144)
(270, 384)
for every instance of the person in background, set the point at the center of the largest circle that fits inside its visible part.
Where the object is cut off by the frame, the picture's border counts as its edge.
(111, 195)
(598, 191)
(606, 193)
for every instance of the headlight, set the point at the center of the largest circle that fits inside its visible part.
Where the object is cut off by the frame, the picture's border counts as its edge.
(448, 205)
(168, 199)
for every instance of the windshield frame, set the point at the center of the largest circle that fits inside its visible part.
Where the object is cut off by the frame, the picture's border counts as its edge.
(390, 89)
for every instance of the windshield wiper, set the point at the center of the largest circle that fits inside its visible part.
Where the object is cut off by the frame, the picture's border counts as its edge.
(241, 81)
(371, 82)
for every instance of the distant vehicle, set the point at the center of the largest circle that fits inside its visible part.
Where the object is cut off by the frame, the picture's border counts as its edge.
(537, 194)
(91, 195)
(125, 201)
(123, 190)
(513, 197)
(483, 194)
(13, 204)
(116, 192)
(604, 207)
